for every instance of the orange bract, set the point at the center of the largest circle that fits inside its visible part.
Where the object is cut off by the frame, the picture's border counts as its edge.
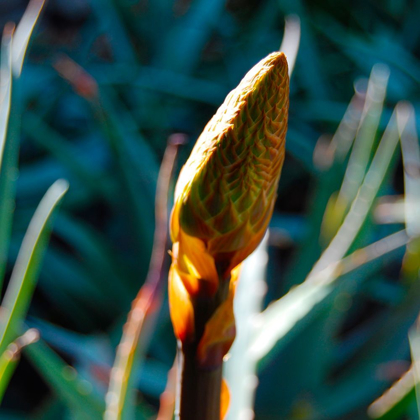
(220, 330)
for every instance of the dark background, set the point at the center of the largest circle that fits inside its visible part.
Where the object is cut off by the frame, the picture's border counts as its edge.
(163, 67)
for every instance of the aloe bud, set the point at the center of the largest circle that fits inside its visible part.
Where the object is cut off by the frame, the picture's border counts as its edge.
(226, 191)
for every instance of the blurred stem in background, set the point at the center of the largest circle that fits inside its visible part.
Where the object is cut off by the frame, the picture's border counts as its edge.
(142, 317)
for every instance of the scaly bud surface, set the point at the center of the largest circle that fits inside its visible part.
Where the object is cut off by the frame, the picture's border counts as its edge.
(225, 196)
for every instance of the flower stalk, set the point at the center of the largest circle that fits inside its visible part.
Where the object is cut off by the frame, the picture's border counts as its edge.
(224, 200)
(200, 386)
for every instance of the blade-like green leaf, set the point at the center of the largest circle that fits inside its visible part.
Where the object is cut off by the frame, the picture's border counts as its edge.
(23, 34)
(136, 161)
(8, 149)
(415, 355)
(291, 40)
(184, 42)
(240, 369)
(411, 159)
(363, 201)
(282, 316)
(327, 182)
(101, 258)
(14, 46)
(360, 156)
(24, 276)
(53, 142)
(5, 87)
(109, 21)
(11, 356)
(339, 204)
(358, 385)
(395, 402)
(77, 393)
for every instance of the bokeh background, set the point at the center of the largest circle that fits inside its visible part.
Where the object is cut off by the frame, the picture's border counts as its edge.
(162, 67)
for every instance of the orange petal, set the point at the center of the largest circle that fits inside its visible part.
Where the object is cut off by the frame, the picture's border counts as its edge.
(194, 259)
(180, 306)
(224, 400)
(220, 330)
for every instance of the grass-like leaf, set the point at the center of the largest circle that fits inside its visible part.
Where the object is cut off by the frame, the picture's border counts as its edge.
(185, 41)
(24, 276)
(23, 34)
(10, 357)
(283, 315)
(291, 40)
(365, 138)
(14, 45)
(77, 393)
(53, 142)
(330, 161)
(411, 160)
(142, 316)
(6, 86)
(396, 401)
(363, 201)
(361, 153)
(240, 369)
(8, 148)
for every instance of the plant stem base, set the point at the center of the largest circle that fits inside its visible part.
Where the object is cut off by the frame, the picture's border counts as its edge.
(200, 389)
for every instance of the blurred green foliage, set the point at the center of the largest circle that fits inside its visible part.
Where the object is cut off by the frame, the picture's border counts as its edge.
(104, 85)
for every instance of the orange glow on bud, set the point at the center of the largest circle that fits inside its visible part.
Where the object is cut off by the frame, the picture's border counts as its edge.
(225, 197)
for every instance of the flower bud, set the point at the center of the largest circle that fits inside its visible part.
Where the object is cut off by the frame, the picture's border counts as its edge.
(226, 191)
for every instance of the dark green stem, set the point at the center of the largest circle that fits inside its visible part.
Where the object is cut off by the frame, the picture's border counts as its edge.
(200, 389)
(200, 386)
